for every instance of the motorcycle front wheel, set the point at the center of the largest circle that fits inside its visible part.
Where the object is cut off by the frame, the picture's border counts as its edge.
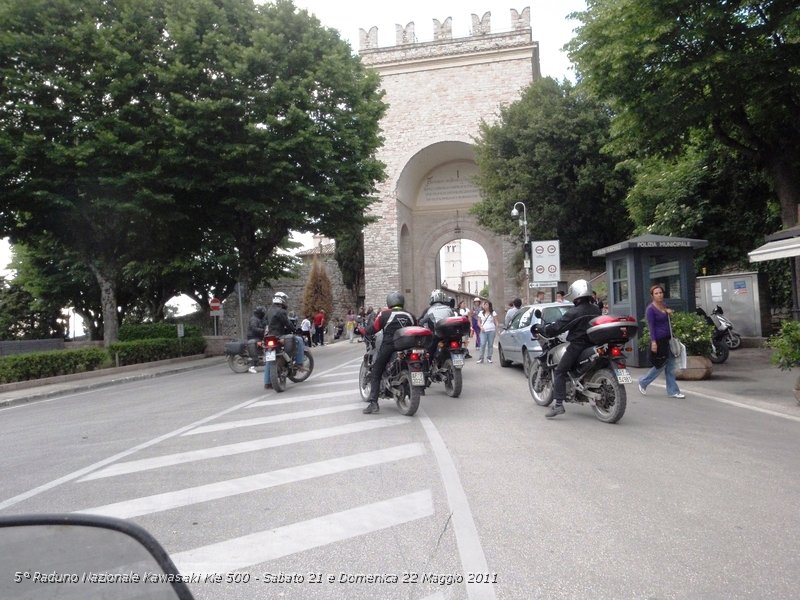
(364, 384)
(719, 353)
(733, 340)
(308, 363)
(452, 379)
(238, 363)
(277, 375)
(611, 406)
(545, 394)
(408, 401)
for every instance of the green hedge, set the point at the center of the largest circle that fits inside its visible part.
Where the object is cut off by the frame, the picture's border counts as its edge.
(37, 365)
(141, 351)
(154, 331)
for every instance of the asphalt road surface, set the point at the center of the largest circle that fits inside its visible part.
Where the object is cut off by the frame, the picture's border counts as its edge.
(299, 495)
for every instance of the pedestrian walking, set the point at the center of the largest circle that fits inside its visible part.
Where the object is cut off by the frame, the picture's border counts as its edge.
(487, 322)
(661, 359)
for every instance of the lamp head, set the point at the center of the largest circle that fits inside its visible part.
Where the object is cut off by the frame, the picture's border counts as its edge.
(514, 212)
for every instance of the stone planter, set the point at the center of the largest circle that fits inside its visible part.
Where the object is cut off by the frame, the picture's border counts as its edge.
(697, 368)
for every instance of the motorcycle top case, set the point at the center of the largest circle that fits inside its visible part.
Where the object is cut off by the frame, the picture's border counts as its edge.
(609, 329)
(412, 337)
(452, 327)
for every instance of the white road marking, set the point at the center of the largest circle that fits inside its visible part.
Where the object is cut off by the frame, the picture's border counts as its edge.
(329, 384)
(293, 399)
(290, 416)
(169, 460)
(242, 485)
(262, 546)
(468, 541)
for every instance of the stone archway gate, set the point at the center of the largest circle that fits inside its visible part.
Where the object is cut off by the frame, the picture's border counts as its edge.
(438, 93)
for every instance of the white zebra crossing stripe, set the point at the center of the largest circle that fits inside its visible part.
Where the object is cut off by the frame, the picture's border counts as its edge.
(290, 416)
(293, 399)
(169, 460)
(243, 485)
(329, 384)
(262, 546)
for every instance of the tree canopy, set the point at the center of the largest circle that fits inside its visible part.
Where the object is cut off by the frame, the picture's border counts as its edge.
(545, 150)
(176, 144)
(668, 67)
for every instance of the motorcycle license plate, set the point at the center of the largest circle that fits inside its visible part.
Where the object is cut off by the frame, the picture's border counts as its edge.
(417, 378)
(269, 356)
(458, 360)
(623, 376)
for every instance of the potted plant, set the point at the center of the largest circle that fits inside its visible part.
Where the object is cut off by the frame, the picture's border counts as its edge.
(693, 331)
(786, 344)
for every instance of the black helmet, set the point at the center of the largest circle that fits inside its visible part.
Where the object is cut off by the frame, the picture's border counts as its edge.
(438, 296)
(395, 299)
(260, 311)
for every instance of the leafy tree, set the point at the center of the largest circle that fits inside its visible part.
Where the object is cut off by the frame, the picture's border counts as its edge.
(672, 66)
(349, 255)
(546, 151)
(23, 316)
(318, 294)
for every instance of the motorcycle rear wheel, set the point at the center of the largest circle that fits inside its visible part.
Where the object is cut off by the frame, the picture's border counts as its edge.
(238, 363)
(308, 363)
(545, 396)
(364, 383)
(408, 402)
(733, 340)
(452, 379)
(611, 407)
(719, 353)
(277, 376)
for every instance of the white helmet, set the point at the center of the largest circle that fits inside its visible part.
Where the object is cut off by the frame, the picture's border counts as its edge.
(579, 289)
(438, 296)
(281, 298)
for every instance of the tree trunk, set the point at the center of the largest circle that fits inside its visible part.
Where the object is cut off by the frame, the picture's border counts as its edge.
(108, 300)
(786, 181)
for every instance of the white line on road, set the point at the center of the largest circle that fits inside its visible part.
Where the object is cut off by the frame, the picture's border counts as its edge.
(330, 384)
(291, 416)
(292, 399)
(242, 485)
(262, 546)
(240, 448)
(468, 541)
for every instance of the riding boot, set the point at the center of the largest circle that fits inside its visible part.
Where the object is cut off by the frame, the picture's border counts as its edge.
(556, 409)
(372, 408)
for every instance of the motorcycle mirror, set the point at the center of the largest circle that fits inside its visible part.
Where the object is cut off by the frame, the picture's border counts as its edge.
(74, 556)
(537, 313)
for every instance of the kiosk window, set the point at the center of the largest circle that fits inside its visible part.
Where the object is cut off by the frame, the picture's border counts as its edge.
(619, 279)
(666, 271)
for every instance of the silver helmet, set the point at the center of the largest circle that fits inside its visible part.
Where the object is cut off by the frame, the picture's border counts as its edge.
(281, 298)
(579, 289)
(438, 296)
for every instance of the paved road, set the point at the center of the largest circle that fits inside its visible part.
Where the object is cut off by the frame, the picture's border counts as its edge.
(683, 499)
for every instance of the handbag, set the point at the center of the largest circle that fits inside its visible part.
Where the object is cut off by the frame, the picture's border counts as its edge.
(675, 346)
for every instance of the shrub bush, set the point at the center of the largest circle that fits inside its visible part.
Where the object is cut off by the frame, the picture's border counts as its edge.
(689, 328)
(37, 365)
(787, 346)
(155, 331)
(148, 350)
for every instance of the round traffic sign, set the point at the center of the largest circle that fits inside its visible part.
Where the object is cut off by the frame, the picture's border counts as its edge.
(215, 304)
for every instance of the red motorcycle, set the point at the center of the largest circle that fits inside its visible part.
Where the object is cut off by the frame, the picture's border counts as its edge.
(447, 355)
(279, 359)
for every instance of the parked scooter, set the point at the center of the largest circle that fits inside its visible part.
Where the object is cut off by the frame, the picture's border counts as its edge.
(279, 359)
(599, 374)
(75, 556)
(404, 376)
(719, 348)
(732, 339)
(447, 354)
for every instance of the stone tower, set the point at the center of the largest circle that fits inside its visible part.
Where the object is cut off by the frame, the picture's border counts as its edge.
(438, 92)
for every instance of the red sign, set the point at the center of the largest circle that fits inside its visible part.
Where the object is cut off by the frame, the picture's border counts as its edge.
(215, 305)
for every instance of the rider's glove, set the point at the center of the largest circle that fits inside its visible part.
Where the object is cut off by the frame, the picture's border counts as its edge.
(536, 329)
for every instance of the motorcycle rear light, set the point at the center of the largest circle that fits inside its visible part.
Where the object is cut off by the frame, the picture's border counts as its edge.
(615, 351)
(454, 345)
(415, 356)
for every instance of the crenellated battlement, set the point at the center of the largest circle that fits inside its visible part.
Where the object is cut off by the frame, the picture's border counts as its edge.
(443, 30)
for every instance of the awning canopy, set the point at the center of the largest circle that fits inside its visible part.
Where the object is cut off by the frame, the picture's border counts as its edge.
(781, 244)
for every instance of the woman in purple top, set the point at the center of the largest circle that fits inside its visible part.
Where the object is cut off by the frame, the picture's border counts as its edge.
(657, 315)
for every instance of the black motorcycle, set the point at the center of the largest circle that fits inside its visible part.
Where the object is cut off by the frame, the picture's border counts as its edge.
(719, 346)
(279, 359)
(404, 376)
(599, 374)
(239, 358)
(447, 354)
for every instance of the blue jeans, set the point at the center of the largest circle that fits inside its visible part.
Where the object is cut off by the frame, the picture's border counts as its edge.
(487, 342)
(299, 356)
(669, 371)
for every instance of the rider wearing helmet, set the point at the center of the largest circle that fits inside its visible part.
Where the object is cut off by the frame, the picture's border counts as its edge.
(576, 321)
(278, 324)
(438, 309)
(389, 320)
(255, 333)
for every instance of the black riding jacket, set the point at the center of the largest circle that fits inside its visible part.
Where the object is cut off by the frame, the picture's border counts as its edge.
(390, 321)
(576, 321)
(278, 321)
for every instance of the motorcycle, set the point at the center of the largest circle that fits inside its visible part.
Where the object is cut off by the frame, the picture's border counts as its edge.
(279, 359)
(599, 374)
(239, 358)
(732, 339)
(404, 376)
(73, 556)
(719, 348)
(447, 355)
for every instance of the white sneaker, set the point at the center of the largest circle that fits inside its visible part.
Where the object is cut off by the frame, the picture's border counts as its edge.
(678, 395)
(479, 361)
(642, 391)
(251, 370)
(488, 360)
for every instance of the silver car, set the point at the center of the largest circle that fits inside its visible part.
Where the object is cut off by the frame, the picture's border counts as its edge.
(517, 344)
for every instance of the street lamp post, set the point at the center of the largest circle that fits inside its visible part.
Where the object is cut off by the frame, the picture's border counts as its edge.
(524, 224)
